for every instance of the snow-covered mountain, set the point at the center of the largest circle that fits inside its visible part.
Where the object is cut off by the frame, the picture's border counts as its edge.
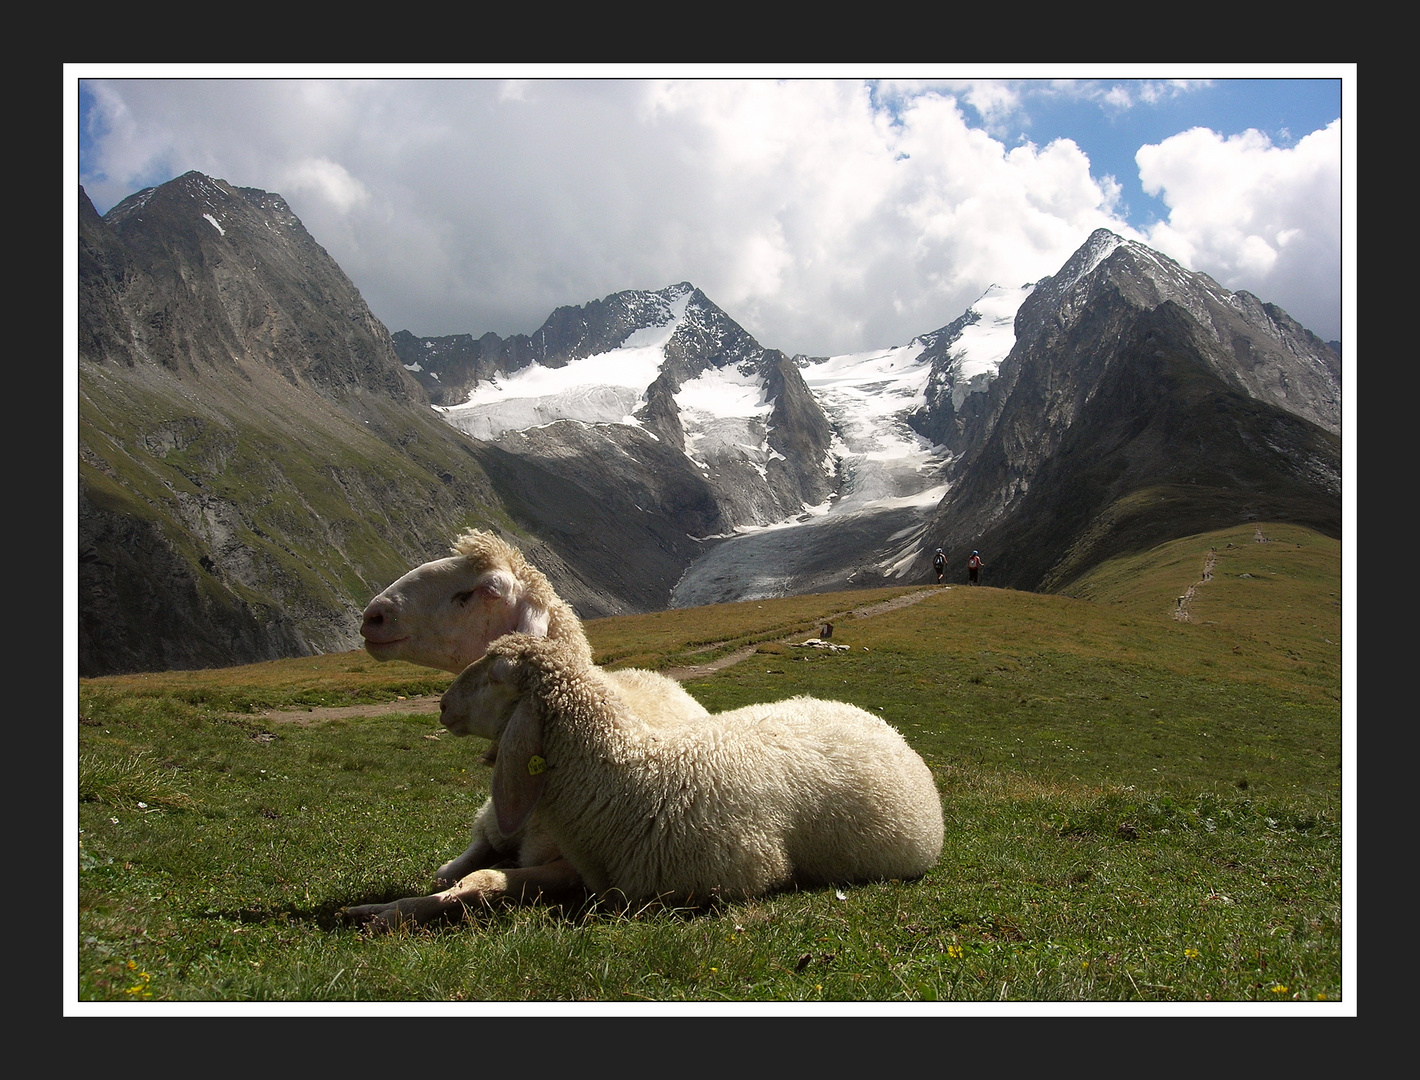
(668, 380)
(723, 410)
(258, 455)
(903, 430)
(907, 424)
(719, 411)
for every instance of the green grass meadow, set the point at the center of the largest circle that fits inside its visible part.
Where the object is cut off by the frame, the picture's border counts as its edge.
(1139, 810)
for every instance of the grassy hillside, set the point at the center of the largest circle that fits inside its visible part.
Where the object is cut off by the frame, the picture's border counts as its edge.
(203, 536)
(1139, 808)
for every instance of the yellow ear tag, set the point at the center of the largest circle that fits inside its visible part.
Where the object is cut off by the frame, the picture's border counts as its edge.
(536, 765)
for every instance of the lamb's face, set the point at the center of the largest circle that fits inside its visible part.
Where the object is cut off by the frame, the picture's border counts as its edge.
(482, 698)
(445, 613)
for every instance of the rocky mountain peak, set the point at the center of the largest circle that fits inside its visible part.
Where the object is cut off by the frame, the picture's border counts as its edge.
(1255, 347)
(227, 276)
(1130, 355)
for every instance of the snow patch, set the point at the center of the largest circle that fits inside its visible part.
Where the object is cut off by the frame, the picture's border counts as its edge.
(724, 392)
(606, 388)
(982, 346)
(723, 413)
(602, 389)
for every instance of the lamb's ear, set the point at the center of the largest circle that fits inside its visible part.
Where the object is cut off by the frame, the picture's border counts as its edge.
(520, 772)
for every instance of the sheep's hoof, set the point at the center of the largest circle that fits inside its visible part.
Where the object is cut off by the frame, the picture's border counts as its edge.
(375, 917)
(409, 912)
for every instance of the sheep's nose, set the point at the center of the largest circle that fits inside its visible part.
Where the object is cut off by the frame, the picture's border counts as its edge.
(377, 615)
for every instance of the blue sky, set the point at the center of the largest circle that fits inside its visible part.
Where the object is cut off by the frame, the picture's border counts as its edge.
(826, 214)
(1283, 109)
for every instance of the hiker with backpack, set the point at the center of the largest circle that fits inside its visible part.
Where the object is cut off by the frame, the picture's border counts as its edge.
(973, 568)
(939, 564)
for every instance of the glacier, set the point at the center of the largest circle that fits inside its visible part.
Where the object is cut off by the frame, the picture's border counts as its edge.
(890, 476)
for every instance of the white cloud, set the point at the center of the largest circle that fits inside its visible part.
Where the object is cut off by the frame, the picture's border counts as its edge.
(326, 180)
(1253, 215)
(993, 99)
(127, 150)
(1154, 91)
(855, 229)
(820, 219)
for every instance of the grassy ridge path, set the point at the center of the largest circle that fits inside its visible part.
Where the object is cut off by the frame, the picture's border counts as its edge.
(699, 671)
(429, 703)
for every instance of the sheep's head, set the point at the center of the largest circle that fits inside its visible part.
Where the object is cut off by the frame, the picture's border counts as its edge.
(445, 613)
(482, 698)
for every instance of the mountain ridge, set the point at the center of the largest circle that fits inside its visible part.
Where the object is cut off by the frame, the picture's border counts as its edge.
(1108, 344)
(259, 455)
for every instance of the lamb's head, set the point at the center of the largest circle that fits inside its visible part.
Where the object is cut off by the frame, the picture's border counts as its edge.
(481, 700)
(502, 697)
(445, 613)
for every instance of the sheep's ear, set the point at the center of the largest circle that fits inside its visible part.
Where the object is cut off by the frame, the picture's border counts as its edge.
(520, 772)
(531, 618)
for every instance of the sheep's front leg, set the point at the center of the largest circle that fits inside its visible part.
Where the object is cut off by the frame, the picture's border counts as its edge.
(479, 854)
(551, 883)
(489, 849)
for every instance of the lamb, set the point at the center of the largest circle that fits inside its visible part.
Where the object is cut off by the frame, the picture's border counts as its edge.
(445, 613)
(797, 793)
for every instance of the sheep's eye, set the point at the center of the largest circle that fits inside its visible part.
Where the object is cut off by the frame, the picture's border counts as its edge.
(462, 597)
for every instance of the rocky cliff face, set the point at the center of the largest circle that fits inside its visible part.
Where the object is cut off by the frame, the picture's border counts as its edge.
(1255, 348)
(800, 436)
(1142, 402)
(216, 276)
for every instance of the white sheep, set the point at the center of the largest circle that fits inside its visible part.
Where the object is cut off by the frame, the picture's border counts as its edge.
(803, 792)
(445, 613)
